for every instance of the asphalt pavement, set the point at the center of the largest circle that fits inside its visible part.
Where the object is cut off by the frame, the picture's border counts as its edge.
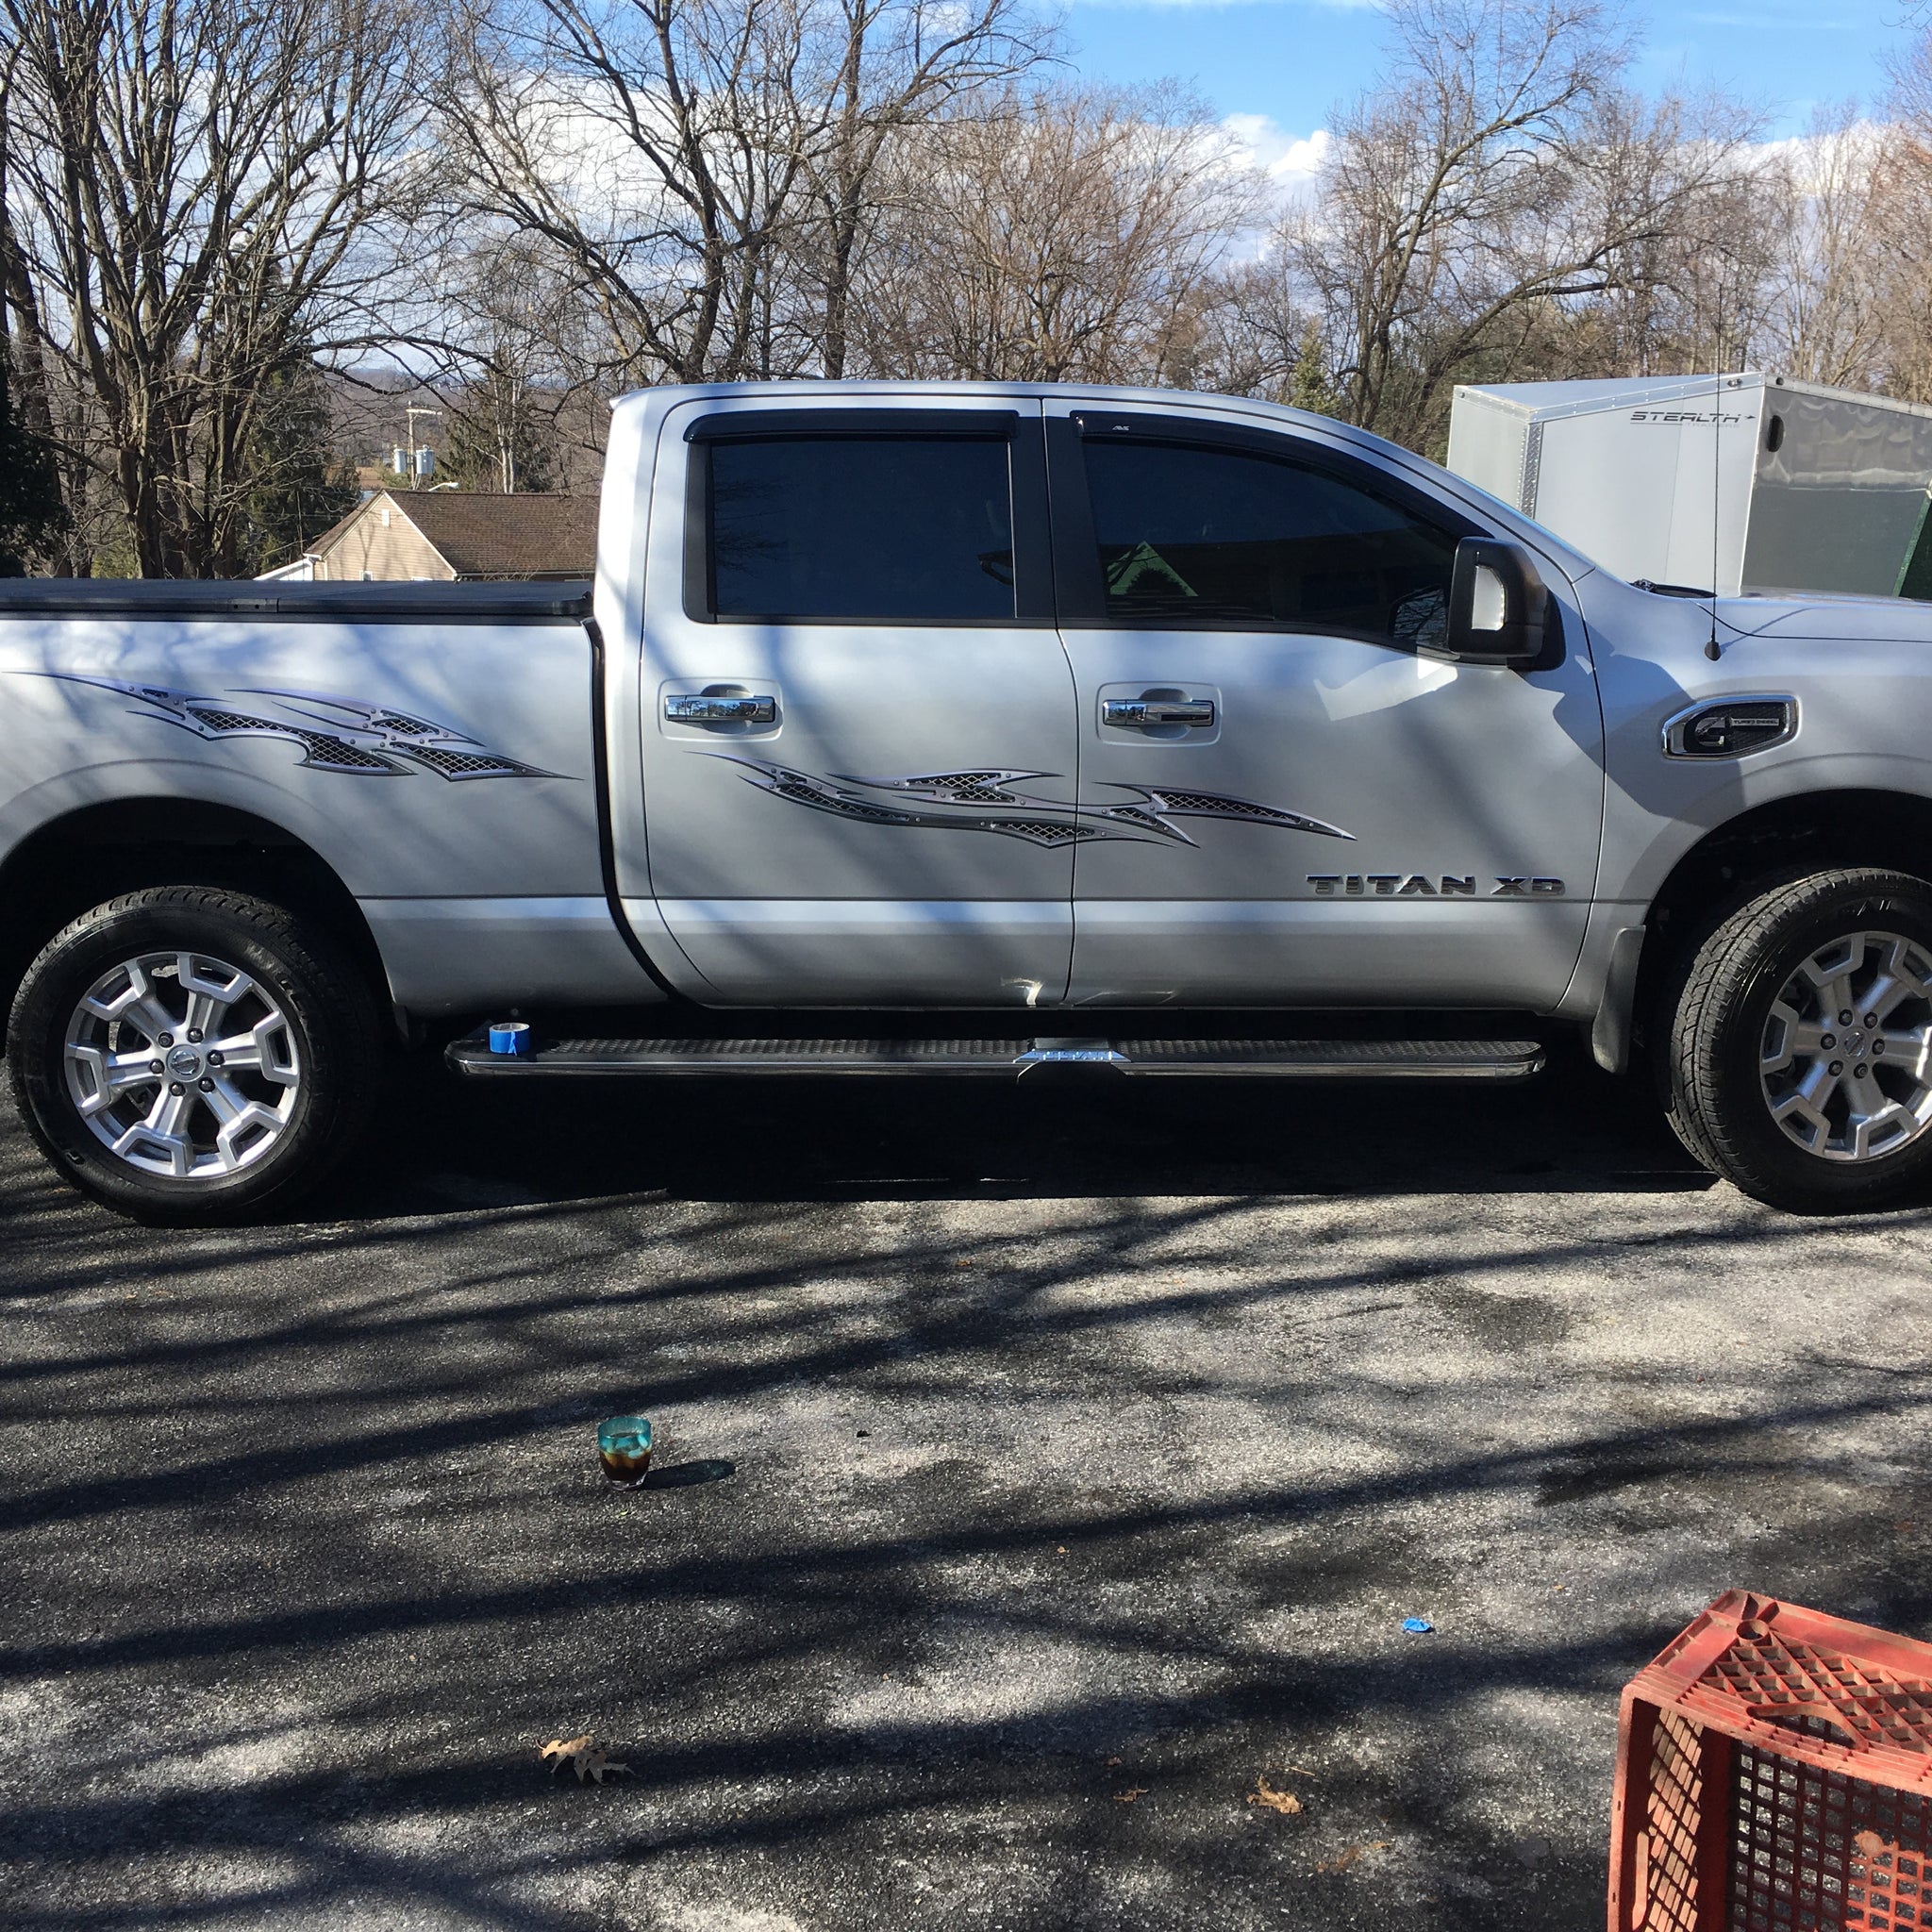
(1043, 1477)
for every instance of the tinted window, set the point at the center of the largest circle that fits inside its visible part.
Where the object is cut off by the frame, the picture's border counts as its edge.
(1218, 536)
(861, 529)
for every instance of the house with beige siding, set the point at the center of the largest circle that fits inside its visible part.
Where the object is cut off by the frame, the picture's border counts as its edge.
(441, 536)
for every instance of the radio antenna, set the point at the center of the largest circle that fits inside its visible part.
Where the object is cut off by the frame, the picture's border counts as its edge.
(1712, 649)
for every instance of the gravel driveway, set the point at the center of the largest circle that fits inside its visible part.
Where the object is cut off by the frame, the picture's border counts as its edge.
(1040, 1472)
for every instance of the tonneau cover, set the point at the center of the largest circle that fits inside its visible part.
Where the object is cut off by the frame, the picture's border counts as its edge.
(259, 600)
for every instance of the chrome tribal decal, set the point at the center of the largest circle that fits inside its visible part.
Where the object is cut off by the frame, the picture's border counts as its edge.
(986, 802)
(364, 740)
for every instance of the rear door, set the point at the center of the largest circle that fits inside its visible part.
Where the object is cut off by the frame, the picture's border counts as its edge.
(1288, 801)
(858, 719)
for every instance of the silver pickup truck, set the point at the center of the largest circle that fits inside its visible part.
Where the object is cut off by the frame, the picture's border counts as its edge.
(968, 730)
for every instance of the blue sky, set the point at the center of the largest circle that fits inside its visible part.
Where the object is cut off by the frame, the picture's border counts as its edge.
(1289, 60)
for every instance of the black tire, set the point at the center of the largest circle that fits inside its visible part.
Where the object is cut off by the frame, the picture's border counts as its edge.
(328, 1036)
(1713, 1045)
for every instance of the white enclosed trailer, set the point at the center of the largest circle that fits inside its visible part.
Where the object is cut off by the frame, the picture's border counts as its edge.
(1731, 483)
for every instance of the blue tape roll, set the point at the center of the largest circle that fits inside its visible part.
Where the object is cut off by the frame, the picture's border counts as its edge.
(511, 1037)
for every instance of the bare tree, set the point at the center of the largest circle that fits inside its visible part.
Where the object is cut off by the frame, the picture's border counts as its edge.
(1694, 282)
(23, 370)
(894, 67)
(203, 204)
(54, 418)
(1246, 330)
(190, 192)
(1829, 191)
(1900, 230)
(653, 146)
(516, 361)
(1062, 233)
(1500, 171)
(704, 168)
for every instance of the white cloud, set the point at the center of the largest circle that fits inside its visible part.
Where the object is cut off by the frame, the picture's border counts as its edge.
(1820, 160)
(1288, 161)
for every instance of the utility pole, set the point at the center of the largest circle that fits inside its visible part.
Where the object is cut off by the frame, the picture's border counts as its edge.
(415, 454)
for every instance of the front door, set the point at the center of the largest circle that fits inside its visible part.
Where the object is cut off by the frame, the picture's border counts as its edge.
(1287, 801)
(859, 720)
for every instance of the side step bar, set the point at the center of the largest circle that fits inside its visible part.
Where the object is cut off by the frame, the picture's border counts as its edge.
(1278, 1059)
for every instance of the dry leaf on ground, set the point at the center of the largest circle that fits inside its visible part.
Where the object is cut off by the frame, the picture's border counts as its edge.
(1129, 1796)
(1342, 1860)
(584, 1755)
(1265, 1793)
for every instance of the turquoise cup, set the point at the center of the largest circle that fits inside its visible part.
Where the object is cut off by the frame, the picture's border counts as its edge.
(624, 1447)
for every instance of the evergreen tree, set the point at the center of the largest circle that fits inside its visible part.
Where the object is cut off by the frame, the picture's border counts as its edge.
(1308, 387)
(300, 486)
(31, 513)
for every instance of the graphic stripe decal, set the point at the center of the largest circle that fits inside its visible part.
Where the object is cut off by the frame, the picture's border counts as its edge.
(985, 801)
(360, 740)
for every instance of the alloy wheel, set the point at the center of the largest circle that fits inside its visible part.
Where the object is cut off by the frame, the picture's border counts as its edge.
(182, 1065)
(1845, 1061)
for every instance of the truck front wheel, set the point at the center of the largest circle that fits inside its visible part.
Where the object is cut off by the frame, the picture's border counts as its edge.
(1798, 1058)
(192, 1055)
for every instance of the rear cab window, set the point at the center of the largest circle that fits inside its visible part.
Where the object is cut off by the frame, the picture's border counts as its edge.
(881, 518)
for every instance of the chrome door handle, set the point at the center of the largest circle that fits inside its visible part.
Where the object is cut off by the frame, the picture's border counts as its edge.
(1157, 710)
(700, 708)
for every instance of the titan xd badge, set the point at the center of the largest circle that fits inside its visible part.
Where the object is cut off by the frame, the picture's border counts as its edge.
(1396, 885)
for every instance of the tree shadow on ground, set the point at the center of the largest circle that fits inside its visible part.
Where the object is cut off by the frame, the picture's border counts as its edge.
(1054, 1519)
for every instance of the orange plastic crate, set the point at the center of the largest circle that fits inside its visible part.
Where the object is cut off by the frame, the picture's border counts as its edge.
(1775, 1775)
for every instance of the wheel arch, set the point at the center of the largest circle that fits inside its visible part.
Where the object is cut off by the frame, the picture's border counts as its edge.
(92, 853)
(1817, 829)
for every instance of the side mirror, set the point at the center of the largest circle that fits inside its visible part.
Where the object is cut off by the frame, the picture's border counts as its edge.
(1497, 606)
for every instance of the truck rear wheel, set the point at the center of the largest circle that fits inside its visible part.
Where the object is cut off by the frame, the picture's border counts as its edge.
(1798, 1059)
(192, 1055)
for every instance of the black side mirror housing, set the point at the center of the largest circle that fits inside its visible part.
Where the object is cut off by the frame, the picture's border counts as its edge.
(1498, 605)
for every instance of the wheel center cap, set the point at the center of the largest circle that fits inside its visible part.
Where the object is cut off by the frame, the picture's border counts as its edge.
(1855, 1042)
(184, 1063)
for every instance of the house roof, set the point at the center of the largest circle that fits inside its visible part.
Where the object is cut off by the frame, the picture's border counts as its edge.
(523, 536)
